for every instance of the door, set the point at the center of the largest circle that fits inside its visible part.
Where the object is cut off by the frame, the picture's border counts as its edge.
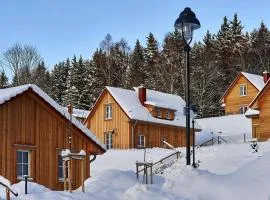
(256, 131)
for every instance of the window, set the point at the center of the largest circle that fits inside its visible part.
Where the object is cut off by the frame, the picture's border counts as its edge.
(243, 109)
(141, 141)
(158, 113)
(60, 168)
(168, 116)
(108, 140)
(23, 163)
(108, 111)
(243, 90)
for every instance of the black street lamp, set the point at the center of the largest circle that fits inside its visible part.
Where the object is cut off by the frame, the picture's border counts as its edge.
(186, 23)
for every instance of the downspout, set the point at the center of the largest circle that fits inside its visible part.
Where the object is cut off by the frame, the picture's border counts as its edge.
(132, 133)
(93, 159)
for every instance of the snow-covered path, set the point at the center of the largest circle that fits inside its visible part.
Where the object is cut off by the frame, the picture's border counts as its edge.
(226, 172)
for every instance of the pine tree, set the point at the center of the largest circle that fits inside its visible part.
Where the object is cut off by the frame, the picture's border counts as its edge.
(41, 77)
(136, 73)
(59, 80)
(152, 61)
(3, 80)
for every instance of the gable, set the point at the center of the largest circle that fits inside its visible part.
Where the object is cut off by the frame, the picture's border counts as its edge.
(42, 98)
(234, 89)
(104, 98)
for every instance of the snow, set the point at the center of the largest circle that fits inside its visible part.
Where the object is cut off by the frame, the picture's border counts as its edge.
(251, 112)
(256, 80)
(8, 93)
(231, 127)
(130, 103)
(79, 113)
(226, 171)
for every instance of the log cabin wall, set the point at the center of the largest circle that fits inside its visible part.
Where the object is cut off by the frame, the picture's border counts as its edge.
(233, 101)
(119, 123)
(28, 123)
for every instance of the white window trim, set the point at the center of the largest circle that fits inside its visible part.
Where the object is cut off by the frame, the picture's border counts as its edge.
(140, 140)
(243, 86)
(29, 163)
(108, 116)
(60, 179)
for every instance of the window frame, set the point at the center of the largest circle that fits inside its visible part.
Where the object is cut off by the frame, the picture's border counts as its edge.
(243, 90)
(140, 140)
(21, 177)
(108, 113)
(168, 114)
(108, 138)
(159, 114)
(59, 155)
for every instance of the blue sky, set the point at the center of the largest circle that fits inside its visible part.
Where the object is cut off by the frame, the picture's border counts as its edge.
(62, 28)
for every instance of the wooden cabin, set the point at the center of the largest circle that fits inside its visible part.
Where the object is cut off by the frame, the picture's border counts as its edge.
(241, 92)
(259, 112)
(34, 130)
(138, 118)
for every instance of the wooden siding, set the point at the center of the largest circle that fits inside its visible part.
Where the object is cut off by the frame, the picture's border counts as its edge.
(154, 134)
(264, 118)
(233, 101)
(27, 122)
(119, 122)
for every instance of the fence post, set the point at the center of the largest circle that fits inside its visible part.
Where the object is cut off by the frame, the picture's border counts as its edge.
(7, 194)
(25, 181)
(212, 141)
(244, 138)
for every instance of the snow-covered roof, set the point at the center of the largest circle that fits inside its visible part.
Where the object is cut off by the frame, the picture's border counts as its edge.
(129, 102)
(251, 112)
(256, 80)
(8, 93)
(79, 113)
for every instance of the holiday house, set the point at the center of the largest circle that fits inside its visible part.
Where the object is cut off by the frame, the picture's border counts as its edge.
(259, 112)
(34, 130)
(242, 91)
(137, 118)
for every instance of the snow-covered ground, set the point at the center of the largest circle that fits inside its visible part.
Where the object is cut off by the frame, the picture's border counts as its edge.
(226, 171)
(232, 128)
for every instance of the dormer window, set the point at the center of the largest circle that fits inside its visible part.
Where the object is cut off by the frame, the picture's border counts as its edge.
(168, 115)
(158, 113)
(243, 90)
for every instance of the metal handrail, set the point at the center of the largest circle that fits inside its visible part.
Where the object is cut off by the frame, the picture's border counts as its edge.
(161, 160)
(204, 143)
(9, 189)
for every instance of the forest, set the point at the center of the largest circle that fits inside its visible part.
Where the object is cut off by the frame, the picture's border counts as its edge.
(158, 65)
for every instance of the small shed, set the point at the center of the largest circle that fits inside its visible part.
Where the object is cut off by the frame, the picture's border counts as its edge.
(34, 130)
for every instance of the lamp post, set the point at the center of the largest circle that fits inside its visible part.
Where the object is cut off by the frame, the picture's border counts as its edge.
(186, 23)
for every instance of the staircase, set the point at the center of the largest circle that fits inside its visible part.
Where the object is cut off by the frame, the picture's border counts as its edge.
(157, 167)
(8, 191)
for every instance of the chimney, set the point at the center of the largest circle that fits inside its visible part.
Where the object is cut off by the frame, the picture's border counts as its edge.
(142, 94)
(266, 76)
(70, 109)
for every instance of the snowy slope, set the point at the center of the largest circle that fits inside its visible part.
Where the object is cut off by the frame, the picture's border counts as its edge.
(226, 172)
(232, 127)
